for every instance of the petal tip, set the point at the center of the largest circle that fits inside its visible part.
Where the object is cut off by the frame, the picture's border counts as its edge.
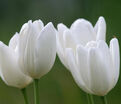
(102, 19)
(50, 25)
(61, 25)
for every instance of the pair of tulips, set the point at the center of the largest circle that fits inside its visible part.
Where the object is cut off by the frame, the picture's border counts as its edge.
(81, 48)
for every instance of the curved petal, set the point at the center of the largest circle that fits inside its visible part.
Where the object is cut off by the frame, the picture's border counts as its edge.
(82, 31)
(61, 28)
(114, 50)
(9, 68)
(14, 41)
(45, 51)
(100, 29)
(75, 71)
(61, 53)
(68, 40)
(38, 24)
(60, 43)
(100, 69)
(27, 40)
(83, 64)
(91, 44)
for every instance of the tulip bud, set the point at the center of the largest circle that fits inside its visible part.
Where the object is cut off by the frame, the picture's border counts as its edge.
(37, 48)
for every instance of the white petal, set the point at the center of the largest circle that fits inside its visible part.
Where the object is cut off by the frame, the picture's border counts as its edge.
(27, 41)
(83, 64)
(100, 70)
(114, 50)
(82, 31)
(9, 68)
(104, 49)
(61, 53)
(75, 71)
(38, 24)
(45, 51)
(91, 44)
(14, 41)
(60, 43)
(69, 42)
(100, 29)
(61, 28)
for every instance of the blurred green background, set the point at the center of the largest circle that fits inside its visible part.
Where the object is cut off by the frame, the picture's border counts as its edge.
(58, 86)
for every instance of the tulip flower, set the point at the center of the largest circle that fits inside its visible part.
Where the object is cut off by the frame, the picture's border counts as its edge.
(37, 48)
(36, 51)
(9, 67)
(83, 50)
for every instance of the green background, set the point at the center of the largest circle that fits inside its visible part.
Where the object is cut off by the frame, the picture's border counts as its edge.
(58, 86)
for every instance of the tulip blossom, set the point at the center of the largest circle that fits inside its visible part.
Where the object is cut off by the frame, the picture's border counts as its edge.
(84, 52)
(9, 66)
(36, 48)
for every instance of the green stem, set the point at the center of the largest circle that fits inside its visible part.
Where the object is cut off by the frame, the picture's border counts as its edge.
(104, 99)
(36, 91)
(25, 95)
(90, 99)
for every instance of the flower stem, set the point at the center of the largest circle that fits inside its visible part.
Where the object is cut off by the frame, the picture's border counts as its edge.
(36, 91)
(104, 99)
(25, 95)
(90, 99)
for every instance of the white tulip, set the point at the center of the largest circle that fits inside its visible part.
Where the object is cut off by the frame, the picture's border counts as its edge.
(37, 48)
(9, 67)
(82, 49)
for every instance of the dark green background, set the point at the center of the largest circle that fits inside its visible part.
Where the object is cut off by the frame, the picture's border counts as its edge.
(58, 86)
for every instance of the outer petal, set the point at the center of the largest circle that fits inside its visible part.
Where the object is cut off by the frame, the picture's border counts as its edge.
(45, 51)
(83, 64)
(68, 40)
(114, 50)
(61, 28)
(75, 71)
(38, 24)
(82, 31)
(104, 49)
(27, 40)
(60, 43)
(100, 69)
(9, 69)
(14, 41)
(91, 44)
(61, 52)
(100, 29)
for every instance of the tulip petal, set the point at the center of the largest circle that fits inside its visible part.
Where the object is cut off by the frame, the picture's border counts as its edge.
(83, 64)
(38, 24)
(60, 43)
(74, 70)
(100, 29)
(69, 42)
(11, 73)
(14, 41)
(91, 44)
(61, 28)
(45, 51)
(100, 67)
(114, 50)
(61, 53)
(82, 31)
(27, 40)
